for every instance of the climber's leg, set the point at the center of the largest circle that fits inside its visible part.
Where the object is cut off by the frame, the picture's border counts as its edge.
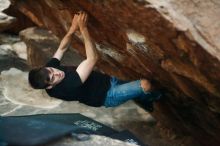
(122, 91)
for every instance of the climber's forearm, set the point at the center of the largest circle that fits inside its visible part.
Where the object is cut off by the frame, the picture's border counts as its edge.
(64, 44)
(66, 41)
(91, 51)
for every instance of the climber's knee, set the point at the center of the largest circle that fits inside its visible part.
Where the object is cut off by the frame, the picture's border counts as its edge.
(145, 85)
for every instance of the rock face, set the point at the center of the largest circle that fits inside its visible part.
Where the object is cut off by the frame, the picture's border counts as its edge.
(24, 94)
(14, 21)
(42, 44)
(11, 49)
(174, 43)
(21, 21)
(5, 20)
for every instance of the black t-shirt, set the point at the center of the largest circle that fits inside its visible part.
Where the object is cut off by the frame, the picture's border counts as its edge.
(92, 92)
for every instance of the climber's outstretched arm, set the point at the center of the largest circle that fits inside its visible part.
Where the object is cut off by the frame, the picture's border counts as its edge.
(64, 44)
(85, 67)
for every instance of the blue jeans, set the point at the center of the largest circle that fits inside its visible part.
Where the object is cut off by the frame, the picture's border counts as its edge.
(122, 91)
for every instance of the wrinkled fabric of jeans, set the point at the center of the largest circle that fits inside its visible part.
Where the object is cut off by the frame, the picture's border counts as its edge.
(122, 91)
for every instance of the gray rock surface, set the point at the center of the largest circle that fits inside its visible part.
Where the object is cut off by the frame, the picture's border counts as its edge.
(11, 48)
(5, 21)
(4, 4)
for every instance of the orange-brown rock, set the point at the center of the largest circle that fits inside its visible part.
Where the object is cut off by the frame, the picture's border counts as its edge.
(175, 43)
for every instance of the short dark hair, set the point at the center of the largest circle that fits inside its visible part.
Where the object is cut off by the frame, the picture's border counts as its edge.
(39, 78)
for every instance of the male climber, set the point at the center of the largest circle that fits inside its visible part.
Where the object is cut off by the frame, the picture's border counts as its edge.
(82, 83)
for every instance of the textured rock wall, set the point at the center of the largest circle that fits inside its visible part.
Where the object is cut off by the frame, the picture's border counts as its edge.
(12, 53)
(5, 20)
(42, 44)
(174, 43)
(21, 21)
(14, 21)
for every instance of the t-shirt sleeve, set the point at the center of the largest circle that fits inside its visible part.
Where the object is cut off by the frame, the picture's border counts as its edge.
(53, 62)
